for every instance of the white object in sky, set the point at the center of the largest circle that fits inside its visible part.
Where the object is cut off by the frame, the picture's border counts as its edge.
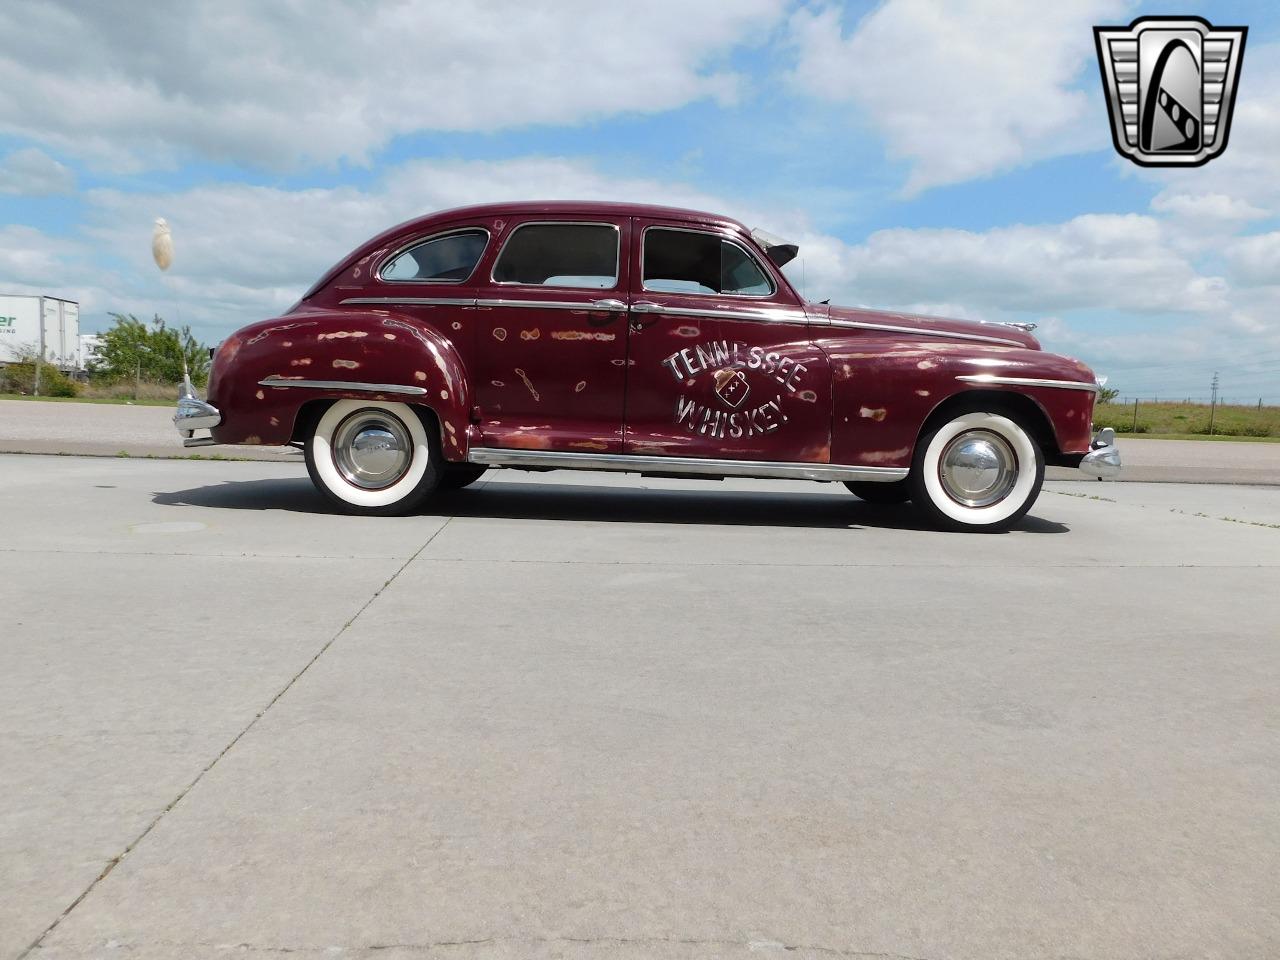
(162, 244)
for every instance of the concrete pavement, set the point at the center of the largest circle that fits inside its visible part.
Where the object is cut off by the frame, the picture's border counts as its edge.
(593, 716)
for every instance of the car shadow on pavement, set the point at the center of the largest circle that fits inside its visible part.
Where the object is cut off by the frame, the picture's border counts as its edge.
(581, 502)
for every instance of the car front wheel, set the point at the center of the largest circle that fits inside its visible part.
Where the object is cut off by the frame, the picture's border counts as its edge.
(374, 458)
(979, 471)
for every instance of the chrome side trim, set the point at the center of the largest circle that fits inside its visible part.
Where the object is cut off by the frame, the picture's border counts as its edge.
(690, 466)
(991, 378)
(343, 385)
(765, 315)
(595, 306)
(925, 332)
(413, 301)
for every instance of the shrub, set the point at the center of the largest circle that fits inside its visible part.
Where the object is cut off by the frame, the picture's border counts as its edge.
(20, 377)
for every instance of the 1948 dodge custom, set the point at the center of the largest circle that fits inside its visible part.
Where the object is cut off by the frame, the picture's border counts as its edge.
(600, 336)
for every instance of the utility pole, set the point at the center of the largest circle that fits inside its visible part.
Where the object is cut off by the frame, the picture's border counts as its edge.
(1213, 401)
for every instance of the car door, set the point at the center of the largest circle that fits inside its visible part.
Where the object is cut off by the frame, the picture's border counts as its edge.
(552, 337)
(721, 363)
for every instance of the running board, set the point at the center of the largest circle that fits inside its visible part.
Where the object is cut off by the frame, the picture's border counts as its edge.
(683, 466)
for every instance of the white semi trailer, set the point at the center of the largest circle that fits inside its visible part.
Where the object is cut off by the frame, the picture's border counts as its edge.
(47, 324)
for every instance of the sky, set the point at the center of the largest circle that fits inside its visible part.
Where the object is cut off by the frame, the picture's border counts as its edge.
(949, 157)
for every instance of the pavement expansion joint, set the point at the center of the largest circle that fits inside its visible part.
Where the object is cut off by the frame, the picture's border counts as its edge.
(115, 861)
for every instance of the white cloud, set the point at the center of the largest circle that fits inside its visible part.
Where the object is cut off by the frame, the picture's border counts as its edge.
(33, 173)
(282, 85)
(962, 89)
(1256, 260)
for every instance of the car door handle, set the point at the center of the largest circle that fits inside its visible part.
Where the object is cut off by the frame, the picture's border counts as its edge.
(646, 306)
(608, 305)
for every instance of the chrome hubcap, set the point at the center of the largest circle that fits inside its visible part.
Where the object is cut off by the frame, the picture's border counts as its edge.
(372, 449)
(978, 468)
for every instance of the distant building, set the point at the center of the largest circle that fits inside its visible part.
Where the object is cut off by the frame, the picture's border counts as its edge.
(90, 345)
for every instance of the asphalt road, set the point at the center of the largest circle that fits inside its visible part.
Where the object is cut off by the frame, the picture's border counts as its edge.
(585, 716)
(114, 429)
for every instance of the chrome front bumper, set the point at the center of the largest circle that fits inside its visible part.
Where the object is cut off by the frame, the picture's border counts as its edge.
(194, 414)
(1103, 459)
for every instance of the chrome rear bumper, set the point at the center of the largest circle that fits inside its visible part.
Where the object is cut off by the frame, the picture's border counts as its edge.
(1103, 459)
(194, 414)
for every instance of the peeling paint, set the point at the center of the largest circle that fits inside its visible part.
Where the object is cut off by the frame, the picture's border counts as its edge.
(449, 426)
(686, 331)
(873, 413)
(300, 362)
(388, 336)
(808, 396)
(922, 393)
(926, 364)
(287, 343)
(886, 456)
(342, 335)
(261, 395)
(589, 445)
(497, 383)
(345, 364)
(499, 333)
(456, 325)
(582, 385)
(444, 394)
(533, 334)
(253, 439)
(528, 383)
(419, 375)
(582, 335)
(275, 421)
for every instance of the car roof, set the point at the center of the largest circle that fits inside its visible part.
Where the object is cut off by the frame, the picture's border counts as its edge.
(522, 208)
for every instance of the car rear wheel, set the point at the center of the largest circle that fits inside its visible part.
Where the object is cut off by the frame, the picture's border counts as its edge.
(374, 458)
(979, 471)
(895, 492)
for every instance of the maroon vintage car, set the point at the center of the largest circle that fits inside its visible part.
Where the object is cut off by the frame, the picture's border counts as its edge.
(601, 336)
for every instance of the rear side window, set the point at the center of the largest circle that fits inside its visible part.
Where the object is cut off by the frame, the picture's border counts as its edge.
(445, 259)
(560, 255)
(679, 261)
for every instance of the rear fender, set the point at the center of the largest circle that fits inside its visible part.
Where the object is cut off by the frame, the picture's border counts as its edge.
(312, 355)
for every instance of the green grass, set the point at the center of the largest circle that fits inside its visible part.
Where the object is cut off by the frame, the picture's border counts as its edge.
(116, 400)
(1195, 436)
(1178, 421)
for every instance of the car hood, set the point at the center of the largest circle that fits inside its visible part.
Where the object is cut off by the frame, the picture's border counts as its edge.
(966, 329)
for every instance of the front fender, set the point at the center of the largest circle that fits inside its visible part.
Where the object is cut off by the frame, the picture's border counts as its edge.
(885, 390)
(314, 354)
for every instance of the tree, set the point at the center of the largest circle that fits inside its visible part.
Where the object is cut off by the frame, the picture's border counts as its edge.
(131, 348)
(1107, 394)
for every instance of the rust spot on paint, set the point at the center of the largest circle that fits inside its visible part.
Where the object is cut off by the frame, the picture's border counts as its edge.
(845, 372)
(589, 445)
(252, 439)
(873, 413)
(388, 336)
(527, 441)
(808, 396)
(885, 456)
(449, 426)
(300, 362)
(342, 335)
(456, 325)
(533, 334)
(275, 421)
(444, 394)
(419, 375)
(686, 331)
(926, 364)
(345, 364)
(497, 383)
(528, 383)
(582, 335)
(454, 441)
(260, 395)
(287, 343)
(499, 333)
(1070, 413)
(582, 385)
(922, 393)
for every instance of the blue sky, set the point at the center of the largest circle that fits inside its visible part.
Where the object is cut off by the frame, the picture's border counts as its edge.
(942, 157)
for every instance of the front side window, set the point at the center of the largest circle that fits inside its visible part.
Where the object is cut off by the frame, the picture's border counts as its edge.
(680, 261)
(446, 259)
(560, 255)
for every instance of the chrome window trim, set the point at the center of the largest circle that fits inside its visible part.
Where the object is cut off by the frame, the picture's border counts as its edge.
(593, 306)
(991, 378)
(276, 381)
(617, 263)
(405, 248)
(412, 301)
(923, 331)
(773, 283)
(691, 466)
(788, 316)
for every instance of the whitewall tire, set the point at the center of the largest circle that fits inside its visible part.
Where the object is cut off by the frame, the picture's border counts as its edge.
(979, 471)
(372, 457)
